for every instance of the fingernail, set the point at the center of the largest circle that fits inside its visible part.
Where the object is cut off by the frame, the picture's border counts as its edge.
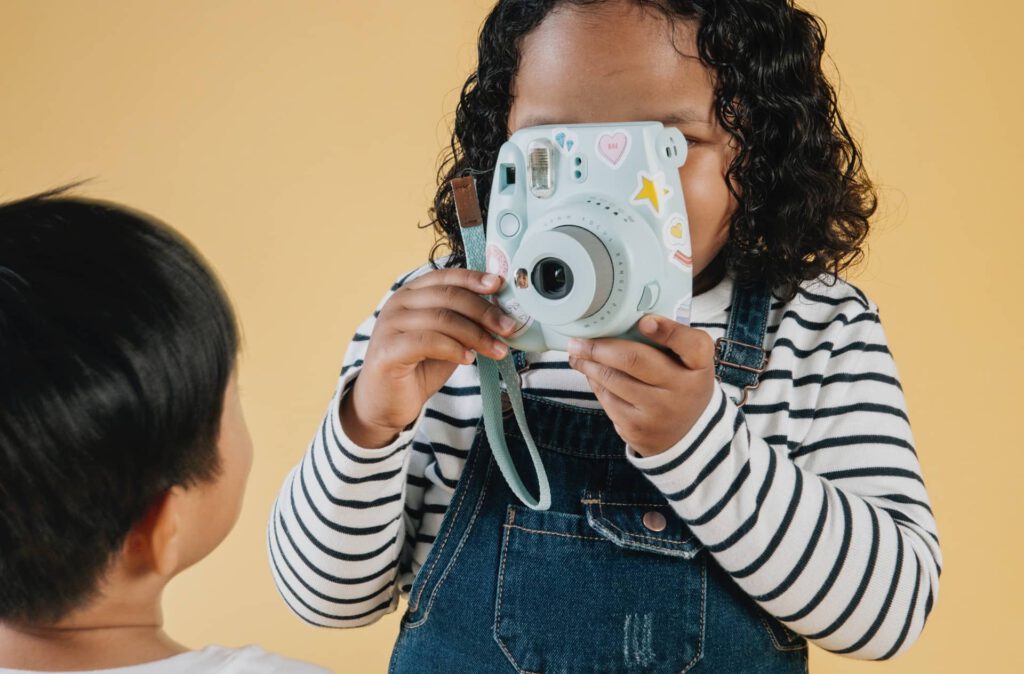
(648, 324)
(491, 280)
(506, 322)
(575, 346)
(500, 349)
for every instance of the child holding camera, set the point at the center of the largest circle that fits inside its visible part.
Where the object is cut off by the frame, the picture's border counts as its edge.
(715, 504)
(124, 453)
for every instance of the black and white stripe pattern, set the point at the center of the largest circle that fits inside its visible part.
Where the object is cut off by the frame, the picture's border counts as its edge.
(810, 495)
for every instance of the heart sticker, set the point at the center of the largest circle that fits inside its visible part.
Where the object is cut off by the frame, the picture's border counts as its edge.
(612, 147)
(676, 231)
(566, 140)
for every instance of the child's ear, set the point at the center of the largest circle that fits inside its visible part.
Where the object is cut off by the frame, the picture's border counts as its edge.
(154, 544)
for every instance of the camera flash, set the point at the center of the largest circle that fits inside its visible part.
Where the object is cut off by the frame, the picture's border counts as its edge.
(538, 160)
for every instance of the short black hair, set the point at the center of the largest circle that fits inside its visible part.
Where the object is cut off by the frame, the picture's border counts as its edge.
(116, 346)
(805, 198)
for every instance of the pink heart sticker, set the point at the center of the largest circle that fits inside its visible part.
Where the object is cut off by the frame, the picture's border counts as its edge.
(612, 147)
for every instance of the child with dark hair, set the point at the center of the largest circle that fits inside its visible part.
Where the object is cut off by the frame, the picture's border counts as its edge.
(717, 503)
(123, 450)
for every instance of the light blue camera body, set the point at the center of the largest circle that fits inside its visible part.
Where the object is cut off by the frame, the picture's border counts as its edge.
(587, 225)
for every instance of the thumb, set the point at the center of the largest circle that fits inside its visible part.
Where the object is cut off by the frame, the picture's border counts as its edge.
(694, 347)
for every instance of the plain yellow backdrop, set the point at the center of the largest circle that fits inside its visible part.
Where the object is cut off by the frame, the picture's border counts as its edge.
(295, 142)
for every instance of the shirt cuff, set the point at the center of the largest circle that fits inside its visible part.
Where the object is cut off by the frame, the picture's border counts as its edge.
(365, 455)
(679, 465)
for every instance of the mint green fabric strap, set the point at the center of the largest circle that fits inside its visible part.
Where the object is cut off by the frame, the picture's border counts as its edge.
(490, 370)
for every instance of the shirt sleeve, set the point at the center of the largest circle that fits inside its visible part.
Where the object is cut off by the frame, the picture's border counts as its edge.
(832, 534)
(339, 524)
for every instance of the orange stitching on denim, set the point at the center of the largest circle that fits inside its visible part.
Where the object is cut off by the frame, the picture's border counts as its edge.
(462, 541)
(796, 646)
(629, 535)
(462, 498)
(501, 586)
(554, 533)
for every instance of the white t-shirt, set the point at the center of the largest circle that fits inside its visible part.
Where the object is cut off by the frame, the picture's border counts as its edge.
(212, 659)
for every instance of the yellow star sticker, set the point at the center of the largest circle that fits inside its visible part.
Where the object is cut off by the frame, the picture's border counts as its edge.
(650, 188)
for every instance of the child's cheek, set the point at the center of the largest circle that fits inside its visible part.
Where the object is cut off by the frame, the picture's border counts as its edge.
(709, 205)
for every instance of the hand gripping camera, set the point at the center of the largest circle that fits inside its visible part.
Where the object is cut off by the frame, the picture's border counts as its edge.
(587, 225)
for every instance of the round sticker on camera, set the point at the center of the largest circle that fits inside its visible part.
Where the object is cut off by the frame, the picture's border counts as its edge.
(497, 261)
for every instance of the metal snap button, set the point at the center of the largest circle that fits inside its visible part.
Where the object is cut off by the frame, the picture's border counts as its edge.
(654, 520)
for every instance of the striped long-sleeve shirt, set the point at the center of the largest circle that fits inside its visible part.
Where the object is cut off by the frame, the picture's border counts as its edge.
(810, 496)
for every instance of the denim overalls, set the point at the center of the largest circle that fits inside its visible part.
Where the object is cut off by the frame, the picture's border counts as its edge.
(608, 580)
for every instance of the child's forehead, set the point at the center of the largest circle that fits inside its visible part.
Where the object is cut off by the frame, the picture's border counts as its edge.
(616, 64)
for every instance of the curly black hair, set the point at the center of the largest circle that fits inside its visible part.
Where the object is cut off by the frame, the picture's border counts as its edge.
(803, 196)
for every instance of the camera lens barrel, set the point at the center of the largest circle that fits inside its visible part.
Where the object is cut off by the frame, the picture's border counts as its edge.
(552, 278)
(570, 274)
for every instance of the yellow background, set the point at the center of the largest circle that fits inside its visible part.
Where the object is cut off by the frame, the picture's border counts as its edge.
(295, 142)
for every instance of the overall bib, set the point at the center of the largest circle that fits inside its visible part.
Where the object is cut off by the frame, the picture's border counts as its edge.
(608, 580)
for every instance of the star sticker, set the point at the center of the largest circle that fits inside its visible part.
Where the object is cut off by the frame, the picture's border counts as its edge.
(651, 188)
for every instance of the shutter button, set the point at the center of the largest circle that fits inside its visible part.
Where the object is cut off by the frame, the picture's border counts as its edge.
(654, 520)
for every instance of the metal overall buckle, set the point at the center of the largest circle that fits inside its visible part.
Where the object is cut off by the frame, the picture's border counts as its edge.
(756, 370)
(506, 402)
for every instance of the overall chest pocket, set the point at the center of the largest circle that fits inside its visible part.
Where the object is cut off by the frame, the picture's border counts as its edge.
(600, 591)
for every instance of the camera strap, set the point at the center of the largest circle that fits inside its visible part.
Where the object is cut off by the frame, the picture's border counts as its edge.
(492, 372)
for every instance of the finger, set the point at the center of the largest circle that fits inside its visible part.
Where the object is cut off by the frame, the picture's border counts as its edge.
(694, 347)
(640, 361)
(477, 281)
(470, 334)
(459, 300)
(618, 409)
(412, 348)
(616, 382)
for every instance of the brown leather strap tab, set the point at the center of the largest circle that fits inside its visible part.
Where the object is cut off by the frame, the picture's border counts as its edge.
(467, 205)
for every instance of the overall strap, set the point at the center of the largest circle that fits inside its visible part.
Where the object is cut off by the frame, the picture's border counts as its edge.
(739, 356)
(492, 372)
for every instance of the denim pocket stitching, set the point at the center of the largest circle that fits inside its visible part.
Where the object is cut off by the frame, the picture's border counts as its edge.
(554, 533)
(458, 549)
(799, 644)
(510, 524)
(658, 539)
(604, 525)
(509, 519)
(703, 615)
(462, 541)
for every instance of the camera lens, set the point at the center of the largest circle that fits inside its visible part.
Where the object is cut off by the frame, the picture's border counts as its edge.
(552, 278)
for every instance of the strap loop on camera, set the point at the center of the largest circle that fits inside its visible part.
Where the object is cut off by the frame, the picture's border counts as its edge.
(467, 207)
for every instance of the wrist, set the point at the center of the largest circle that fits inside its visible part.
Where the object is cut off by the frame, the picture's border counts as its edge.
(361, 430)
